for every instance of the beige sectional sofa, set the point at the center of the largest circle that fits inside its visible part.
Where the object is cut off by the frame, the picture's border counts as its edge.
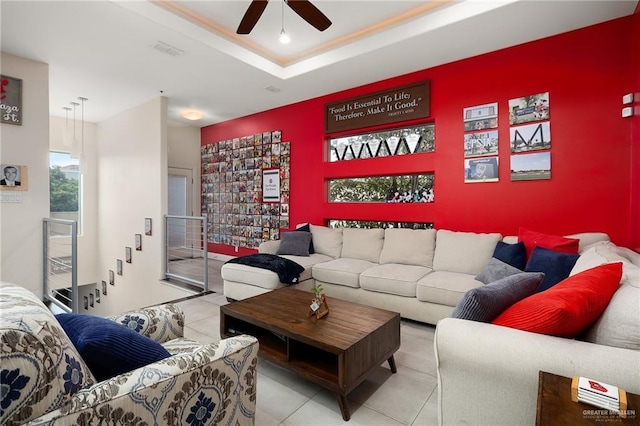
(420, 273)
(488, 375)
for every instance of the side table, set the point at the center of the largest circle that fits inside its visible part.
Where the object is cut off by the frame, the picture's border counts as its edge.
(555, 406)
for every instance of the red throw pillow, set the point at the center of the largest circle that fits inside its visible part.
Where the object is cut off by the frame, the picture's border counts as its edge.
(531, 239)
(567, 308)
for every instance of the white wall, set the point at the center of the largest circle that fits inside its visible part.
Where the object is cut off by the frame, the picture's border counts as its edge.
(28, 144)
(184, 153)
(84, 149)
(131, 186)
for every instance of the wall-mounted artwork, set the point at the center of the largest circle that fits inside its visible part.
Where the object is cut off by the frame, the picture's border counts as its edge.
(481, 170)
(481, 144)
(529, 108)
(531, 166)
(238, 213)
(530, 137)
(11, 100)
(13, 177)
(480, 117)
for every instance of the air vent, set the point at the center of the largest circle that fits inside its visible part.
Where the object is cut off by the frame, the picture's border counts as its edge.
(169, 50)
(273, 89)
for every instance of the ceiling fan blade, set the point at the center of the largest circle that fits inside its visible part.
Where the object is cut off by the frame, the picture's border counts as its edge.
(251, 16)
(310, 13)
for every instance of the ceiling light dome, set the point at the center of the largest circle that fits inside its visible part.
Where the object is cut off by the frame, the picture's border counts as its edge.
(192, 115)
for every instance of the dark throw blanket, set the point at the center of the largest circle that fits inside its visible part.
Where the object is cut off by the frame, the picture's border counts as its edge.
(288, 271)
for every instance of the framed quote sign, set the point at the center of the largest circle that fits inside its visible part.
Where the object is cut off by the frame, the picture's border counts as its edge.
(403, 103)
(11, 100)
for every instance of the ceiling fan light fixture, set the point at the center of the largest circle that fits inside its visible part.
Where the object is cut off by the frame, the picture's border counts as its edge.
(284, 37)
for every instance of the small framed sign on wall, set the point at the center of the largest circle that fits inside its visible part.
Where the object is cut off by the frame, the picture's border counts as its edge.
(11, 100)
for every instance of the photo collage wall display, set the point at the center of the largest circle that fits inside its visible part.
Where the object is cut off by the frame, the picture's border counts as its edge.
(529, 140)
(529, 117)
(232, 189)
(481, 143)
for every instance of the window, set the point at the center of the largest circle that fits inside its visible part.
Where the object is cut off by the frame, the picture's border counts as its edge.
(64, 187)
(415, 188)
(384, 143)
(368, 224)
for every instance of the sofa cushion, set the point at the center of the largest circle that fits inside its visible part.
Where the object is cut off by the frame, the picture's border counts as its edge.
(409, 246)
(555, 265)
(306, 228)
(327, 241)
(532, 239)
(363, 244)
(512, 254)
(618, 325)
(445, 288)
(463, 252)
(569, 307)
(40, 367)
(496, 270)
(341, 271)
(294, 243)
(393, 278)
(485, 303)
(110, 348)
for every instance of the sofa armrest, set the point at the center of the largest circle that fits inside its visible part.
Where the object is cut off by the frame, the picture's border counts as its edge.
(270, 247)
(160, 323)
(217, 381)
(488, 374)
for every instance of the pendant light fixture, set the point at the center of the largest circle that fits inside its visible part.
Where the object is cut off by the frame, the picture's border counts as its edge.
(66, 134)
(284, 37)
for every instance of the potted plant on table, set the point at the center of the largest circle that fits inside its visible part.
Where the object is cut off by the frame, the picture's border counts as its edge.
(319, 306)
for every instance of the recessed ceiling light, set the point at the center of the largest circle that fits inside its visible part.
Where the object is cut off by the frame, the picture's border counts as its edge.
(192, 115)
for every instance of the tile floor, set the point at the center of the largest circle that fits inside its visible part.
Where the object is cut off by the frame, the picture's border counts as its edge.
(408, 397)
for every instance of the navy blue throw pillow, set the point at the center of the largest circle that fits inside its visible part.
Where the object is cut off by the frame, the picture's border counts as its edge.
(109, 348)
(307, 228)
(513, 254)
(555, 265)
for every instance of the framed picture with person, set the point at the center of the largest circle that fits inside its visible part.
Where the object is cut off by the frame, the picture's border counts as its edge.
(13, 177)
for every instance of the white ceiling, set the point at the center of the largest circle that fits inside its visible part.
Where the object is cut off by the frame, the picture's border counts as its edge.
(103, 50)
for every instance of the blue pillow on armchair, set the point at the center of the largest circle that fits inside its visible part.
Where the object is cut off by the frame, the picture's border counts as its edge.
(555, 265)
(109, 348)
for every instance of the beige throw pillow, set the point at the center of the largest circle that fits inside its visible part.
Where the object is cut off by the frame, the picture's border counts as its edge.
(326, 241)
(408, 246)
(364, 244)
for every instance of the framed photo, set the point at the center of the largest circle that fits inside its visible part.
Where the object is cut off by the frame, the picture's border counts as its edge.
(119, 266)
(127, 254)
(138, 242)
(98, 295)
(13, 177)
(104, 287)
(11, 100)
(147, 226)
(271, 186)
(112, 278)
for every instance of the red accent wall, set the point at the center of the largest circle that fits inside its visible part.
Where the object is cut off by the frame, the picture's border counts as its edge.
(586, 72)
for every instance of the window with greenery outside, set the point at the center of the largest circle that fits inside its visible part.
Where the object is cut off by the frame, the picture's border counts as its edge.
(414, 188)
(64, 188)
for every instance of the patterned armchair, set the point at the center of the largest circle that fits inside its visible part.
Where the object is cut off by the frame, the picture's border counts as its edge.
(44, 380)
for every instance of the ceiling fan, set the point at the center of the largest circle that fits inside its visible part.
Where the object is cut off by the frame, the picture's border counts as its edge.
(304, 8)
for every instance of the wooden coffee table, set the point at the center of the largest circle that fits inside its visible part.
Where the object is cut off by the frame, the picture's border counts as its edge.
(337, 352)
